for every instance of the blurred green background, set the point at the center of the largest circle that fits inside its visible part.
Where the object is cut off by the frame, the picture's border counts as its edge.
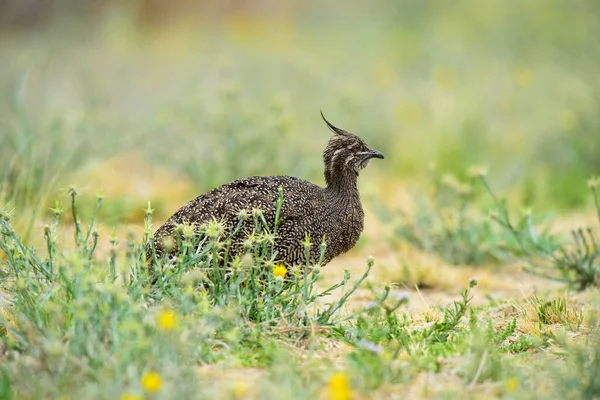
(156, 100)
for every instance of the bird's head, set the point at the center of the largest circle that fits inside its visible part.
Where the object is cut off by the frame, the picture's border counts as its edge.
(345, 154)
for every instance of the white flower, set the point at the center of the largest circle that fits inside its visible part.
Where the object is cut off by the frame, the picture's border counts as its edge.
(402, 297)
(370, 346)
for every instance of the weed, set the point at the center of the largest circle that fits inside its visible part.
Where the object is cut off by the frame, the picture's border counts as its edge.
(71, 311)
(576, 263)
(449, 225)
(537, 313)
(579, 377)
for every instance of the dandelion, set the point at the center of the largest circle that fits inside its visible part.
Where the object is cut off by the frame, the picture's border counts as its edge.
(166, 320)
(279, 271)
(131, 396)
(151, 382)
(339, 387)
(512, 384)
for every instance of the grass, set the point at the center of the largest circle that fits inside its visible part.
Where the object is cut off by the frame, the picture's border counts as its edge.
(71, 312)
(575, 262)
(450, 225)
(161, 113)
(453, 227)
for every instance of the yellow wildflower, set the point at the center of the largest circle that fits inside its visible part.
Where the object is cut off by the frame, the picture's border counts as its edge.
(339, 387)
(151, 382)
(239, 390)
(279, 271)
(512, 384)
(131, 396)
(166, 320)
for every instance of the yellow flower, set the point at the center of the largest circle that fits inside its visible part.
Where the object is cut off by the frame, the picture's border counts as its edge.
(279, 271)
(512, 384)
(166, 320)
(131, 396)
(151, 382)
(239, 390)
(339, 387)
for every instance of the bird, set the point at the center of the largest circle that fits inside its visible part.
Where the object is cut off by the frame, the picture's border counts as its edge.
(333, 214)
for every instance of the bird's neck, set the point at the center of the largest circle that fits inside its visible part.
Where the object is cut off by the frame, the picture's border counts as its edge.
(343, 186)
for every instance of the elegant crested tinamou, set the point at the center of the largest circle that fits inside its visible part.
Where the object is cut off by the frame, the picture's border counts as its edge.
(334, 212)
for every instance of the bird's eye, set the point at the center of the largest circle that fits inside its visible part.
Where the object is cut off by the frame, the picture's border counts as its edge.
(356, 147)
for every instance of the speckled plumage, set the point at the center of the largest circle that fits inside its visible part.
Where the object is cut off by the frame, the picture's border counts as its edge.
(334, 212)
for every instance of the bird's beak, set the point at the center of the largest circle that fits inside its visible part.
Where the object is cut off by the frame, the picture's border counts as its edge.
(375, 154)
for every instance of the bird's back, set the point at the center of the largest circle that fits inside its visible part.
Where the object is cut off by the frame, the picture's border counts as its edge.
(304, 210)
